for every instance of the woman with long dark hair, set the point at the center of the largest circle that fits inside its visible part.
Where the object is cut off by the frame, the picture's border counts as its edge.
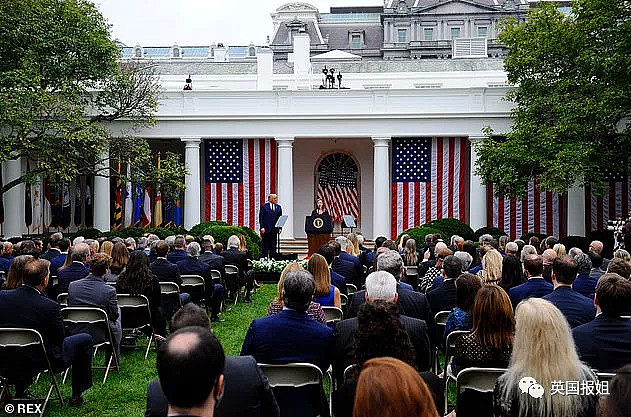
(512, 274)
(137, 279)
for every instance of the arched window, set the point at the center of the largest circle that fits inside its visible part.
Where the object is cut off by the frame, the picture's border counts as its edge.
(176, 52)
(337, 184)
(138, 52)
(251, 51)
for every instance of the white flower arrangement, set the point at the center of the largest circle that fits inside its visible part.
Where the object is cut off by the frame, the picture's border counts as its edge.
(270, 265)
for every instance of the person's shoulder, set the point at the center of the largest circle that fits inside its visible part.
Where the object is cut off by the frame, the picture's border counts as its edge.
(412, 322)
(346, 325)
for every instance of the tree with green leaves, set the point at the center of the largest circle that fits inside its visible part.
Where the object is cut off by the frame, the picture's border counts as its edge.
(62, 85)
(572, 95)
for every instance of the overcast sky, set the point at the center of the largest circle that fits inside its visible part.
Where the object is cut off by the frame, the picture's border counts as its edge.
(199, 22)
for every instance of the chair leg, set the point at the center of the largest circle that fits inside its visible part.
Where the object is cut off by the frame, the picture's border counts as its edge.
(54, 382)
(63, 381)
(446, 392)
(37, 378)
(107, 369)
(149, 345)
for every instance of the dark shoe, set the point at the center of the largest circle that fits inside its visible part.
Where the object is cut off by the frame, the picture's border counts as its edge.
(216, 320)
(247, 300)
(76, 402)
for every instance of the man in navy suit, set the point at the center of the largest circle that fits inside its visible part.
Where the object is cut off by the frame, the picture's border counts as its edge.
(536, 286)
(166, 271)
(369, 259)
(291, 336)
(60, 259)
(178, 254)
(269, 214)
(77, 269)
(443, 298)
(26, 307)
(214, 261)
(328, 252)
(345, 268)
(193, 266)
(53, 247)
(345, 256)
(604, 343)
(5, 263)
(576, 308)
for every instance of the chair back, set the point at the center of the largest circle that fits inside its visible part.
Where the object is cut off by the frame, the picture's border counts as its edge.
(440, 318)
(478, 379)
(231, 269)
(351, 288)
(62, 299)
(604, 376)
(332, 314)
(170, 299)
(135, 311)
(344, 299)
(90, 320)
(216, 276)
(250, 264)
(450, 344)
(348, 372)
(232, 278)
(294, 375)
(195, 286)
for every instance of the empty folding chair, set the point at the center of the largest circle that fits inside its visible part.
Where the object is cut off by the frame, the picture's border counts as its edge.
(450, 344)
(351, 288)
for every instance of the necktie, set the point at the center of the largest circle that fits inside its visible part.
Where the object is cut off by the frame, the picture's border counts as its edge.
(272, 207)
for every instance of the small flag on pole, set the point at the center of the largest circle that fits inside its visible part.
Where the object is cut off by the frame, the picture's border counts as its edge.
(129, 206)
(157, 214)
(146, 208)
(117, 202)
(177, 211)
(138, 205)
(66, 209)
(48, 215)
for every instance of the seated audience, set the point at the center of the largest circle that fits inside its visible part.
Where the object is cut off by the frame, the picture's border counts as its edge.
(597, 246)
(616, 404)
(410, 255)
(53, 246)
(328, 252)
(388, 387)
(543, 349)
(190, 369)
(535, 286)
(276, 306)
(492, 267)
(167, 271)
(559, 249)
(380, 289)
(353, 245)
(512, 249)
(443, 298)
(92, 291)
(490, 342)
(370, 256)
(460, 318)
(78, 269)
(214, 261)
(16, 272)
(512, 273)
(214, 293)
(585, 282)
(548, 256)
(291, 336)
(120, 257)
(344, 266)
(465, 258)
(604, 342)
(622, 254)
(26, 307)
(427, 282)
(58, 261)
(5, 261)
(247, 392)
(576, 308)
(597, 261)
(325, 294)
(178, 253)
(620, 267)
(137, 279)
(106, 247)
(233, 256)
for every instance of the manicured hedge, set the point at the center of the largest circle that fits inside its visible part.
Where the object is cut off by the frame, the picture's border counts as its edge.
(418, 234)
(450, 227)
(493, 231)
(221, 233)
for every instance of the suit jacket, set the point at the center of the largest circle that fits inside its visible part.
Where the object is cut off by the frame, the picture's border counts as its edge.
(547, 273)
(57, 262)
(443, 298)
(338, 281)
(246, 394)
(604, 343)
(166, 271)
(345, 339)
(346, 269)
(369, 259)
(237, 258)
(73, 272)
(176, 256)
(26, 307)
(92, 291)
(213, 261)
(193, 266)
(268, 218)
(585, 285)
(50, 254)
(290, 336)
(534, 287)
(576, 308)
(410, 303)
(359, 270)
(5, 264)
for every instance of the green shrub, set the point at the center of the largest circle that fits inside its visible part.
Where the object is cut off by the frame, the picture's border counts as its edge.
(493, 231)
(450, 227)
(198, 230)
(418, 234)
(221, 233)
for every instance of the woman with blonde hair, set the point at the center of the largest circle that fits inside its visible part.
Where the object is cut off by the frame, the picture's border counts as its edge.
(106, 247)
(353, 248)
(622, 254)
(389, 387)
(544, 351)
(410, 255)
(491, 272)
(314, 311)
(326, 294)
(559, 249)
(402, 242)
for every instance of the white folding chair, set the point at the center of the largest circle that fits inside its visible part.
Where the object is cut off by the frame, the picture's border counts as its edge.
(348, 372)
(332, 314)
(344, 299)
(478, 379)
(93, 321)
(136, 315)
(22, 339)
(62, 299)
(450, 344)
(440, 320)
(351, 288)
(195, 285)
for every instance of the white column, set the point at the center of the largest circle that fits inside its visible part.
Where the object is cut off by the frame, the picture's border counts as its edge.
(101, 198)
(576, 211)
(192, 194)
(285, 182)
(381, 220)
(477, 190)
(14, 225)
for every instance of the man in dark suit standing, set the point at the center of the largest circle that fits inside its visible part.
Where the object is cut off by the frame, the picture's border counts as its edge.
(536, 286)
(269, 214)
(576, 308)
(604, 342)
(26, 307)
(443, 298)
(291, 336)
(247, 392)
(78, 269)
(92, 291)
(380, 287)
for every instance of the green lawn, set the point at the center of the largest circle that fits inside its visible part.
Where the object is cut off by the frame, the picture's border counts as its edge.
(124, 393)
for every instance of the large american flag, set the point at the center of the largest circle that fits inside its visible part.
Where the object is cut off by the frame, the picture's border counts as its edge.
(615, 202)
(538, 212)
(240, 174)
(338, 191)
(429, 180)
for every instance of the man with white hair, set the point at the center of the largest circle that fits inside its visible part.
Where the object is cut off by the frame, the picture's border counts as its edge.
(548, 258)
(597, 247)
(77, 240)
(465, 259)
(193, 266)
(381, 287)
(512, 248)
(130, 242)
(233, 256)
(456, 243)
(344, 255)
